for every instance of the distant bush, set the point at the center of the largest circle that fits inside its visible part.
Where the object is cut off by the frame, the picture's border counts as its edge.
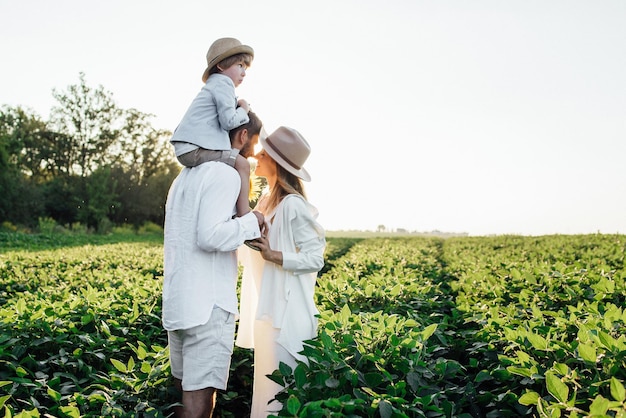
(124, 229)
(46, 226)
(7, 226)
(150, 228)
(105, 226)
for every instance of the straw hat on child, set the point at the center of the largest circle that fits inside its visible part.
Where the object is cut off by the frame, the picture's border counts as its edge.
(222, 49)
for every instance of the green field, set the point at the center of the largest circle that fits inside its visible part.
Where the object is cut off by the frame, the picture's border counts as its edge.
(492, 327)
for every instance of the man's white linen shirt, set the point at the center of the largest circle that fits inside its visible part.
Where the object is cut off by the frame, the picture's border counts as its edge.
(200, 242)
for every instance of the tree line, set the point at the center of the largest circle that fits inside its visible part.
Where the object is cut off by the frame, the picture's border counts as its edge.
(91, 163)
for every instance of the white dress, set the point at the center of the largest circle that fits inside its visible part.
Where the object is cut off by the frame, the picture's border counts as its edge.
(277, 302)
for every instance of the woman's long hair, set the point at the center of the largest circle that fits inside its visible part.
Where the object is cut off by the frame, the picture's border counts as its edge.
(286, 183)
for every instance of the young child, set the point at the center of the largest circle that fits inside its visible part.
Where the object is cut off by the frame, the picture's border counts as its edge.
(202, 134)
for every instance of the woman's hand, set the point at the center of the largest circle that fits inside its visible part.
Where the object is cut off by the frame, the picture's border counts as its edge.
(267, 253)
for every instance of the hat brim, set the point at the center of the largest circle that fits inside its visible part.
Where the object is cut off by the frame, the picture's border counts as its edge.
(301, 173)
(241, 49)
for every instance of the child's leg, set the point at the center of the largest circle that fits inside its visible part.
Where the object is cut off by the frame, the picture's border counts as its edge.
(243, 168)
(200, 155)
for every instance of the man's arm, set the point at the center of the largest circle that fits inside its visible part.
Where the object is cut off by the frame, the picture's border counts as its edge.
(217, 229)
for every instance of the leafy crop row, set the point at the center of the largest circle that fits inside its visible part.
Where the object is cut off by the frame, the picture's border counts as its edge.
(468, 327)
(552, 308)
(80, 332)
(409, 327)
(385, 348)
(81, 335)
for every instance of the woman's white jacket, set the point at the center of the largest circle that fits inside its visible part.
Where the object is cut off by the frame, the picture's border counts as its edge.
(284, 295)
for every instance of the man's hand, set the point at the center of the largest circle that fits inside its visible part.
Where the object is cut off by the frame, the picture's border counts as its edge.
(261, 219)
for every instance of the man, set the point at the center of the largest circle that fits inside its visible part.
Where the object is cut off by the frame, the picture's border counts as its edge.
(200, 273)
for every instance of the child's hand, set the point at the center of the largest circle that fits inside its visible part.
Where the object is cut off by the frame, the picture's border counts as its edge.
(244, 104)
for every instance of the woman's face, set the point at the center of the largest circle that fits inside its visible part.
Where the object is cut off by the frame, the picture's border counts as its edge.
(265, 165)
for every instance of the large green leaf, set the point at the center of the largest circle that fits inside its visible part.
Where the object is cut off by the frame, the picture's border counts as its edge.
(529, 398)
(617, 390)
(557, 388)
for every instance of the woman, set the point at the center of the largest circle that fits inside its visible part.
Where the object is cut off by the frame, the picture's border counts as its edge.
(277, 291)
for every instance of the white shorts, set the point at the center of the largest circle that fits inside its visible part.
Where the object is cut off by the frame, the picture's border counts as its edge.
(200, 356)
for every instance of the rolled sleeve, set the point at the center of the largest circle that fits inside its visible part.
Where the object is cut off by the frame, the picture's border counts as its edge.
(217, 229)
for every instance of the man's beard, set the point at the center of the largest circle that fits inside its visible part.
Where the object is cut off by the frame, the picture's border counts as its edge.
(245, 151)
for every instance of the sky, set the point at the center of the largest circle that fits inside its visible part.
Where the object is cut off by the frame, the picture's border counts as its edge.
(485, 117)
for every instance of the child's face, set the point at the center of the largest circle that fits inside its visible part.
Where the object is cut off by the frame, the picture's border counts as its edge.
(236, 72)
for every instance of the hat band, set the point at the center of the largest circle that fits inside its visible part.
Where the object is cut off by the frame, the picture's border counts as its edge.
(281, 154)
